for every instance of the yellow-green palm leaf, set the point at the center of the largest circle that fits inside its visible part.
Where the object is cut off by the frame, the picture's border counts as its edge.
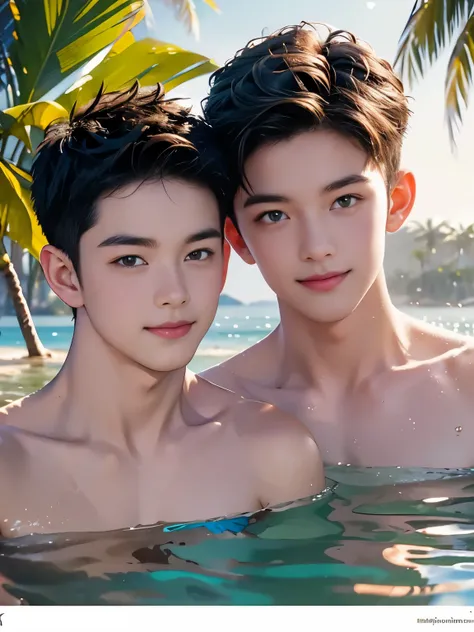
(17, 218)
(148, 60)
(58, 36)
(21, 117)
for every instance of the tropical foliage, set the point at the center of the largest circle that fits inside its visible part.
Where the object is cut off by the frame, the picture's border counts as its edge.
(433, 26)
(440, 269)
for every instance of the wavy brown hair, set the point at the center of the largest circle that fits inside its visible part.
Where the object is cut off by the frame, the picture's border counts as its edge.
(295, 80)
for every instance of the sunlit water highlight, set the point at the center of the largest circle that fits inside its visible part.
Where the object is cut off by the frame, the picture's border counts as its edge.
(375, 536)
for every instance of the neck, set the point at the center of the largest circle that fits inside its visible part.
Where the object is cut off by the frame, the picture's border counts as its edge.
(373, 338)
(109, 399)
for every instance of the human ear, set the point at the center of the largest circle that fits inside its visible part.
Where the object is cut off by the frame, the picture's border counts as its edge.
(237, 242)
(226, 257)
(402, 199)
(61, 276)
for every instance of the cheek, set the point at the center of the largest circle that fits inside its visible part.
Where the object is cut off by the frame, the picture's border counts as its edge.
(205, 283)
(109, 297)
(270, 245)
(366, 233)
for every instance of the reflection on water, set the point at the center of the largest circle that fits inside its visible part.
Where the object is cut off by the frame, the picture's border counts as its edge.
(25, 379)
(376, 536)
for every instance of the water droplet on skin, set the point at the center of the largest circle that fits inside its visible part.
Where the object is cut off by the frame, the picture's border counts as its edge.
(458, 429)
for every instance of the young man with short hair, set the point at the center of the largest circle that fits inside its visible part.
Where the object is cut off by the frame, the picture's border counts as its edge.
(312, 128)
(131, 199)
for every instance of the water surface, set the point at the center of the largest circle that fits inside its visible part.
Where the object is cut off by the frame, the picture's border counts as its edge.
(374, 537)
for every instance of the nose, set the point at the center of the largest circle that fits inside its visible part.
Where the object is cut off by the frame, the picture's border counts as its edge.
(316, 243)
(171, 290)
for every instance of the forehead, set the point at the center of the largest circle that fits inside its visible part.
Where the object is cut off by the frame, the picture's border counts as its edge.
(172, 206)
(310, 159)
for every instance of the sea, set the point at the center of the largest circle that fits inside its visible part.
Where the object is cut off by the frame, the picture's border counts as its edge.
(234, 329)
(373, 536)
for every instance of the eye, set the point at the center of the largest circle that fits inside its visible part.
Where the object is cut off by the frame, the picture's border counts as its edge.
(199, 255)
(130, 261)
(346, 201)
(271, 217)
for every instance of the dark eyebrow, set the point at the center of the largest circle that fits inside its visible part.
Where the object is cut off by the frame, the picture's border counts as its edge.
(344, 182)
(128, 240)
(147, 242)
(264, 198)
(208, 233)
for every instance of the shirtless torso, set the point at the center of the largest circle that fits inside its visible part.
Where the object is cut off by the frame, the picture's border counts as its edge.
(218, 455)
(418, 413)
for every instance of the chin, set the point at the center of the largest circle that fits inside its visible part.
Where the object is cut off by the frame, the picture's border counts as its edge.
(166, 366)
(331, 317)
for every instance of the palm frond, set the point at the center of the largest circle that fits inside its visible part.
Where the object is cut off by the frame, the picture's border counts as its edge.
(430, 27)
(213, 5)
(185, 11)
(459, 78)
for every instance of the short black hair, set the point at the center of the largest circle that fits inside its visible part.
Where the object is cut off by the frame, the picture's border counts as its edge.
(121, 137)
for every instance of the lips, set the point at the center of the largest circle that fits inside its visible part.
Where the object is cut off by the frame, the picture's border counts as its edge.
(324, 282)
(171, 330)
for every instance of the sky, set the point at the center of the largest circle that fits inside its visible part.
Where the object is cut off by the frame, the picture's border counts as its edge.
(445, 180)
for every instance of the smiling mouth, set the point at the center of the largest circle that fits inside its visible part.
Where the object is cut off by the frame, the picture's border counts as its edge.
(171, 331)
(324, 282)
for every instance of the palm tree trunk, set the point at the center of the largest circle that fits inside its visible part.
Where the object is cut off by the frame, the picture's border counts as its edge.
(33, 343)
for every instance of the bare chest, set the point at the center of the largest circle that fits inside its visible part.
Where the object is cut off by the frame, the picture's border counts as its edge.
(87, 492)
(425, 422)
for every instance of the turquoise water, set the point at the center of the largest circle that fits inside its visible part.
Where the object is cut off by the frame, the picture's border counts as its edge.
(374, 537)
(233, 329)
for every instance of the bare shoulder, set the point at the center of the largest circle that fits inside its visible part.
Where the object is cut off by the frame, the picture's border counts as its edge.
(284, 456)
(23, 414)
(268, 435)
(249, 366)
(14, 463)
(228, 374)
(430, 343)
(460, 366)
(449, 352)
(14, 426)
(21, 424)
(249, 417)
